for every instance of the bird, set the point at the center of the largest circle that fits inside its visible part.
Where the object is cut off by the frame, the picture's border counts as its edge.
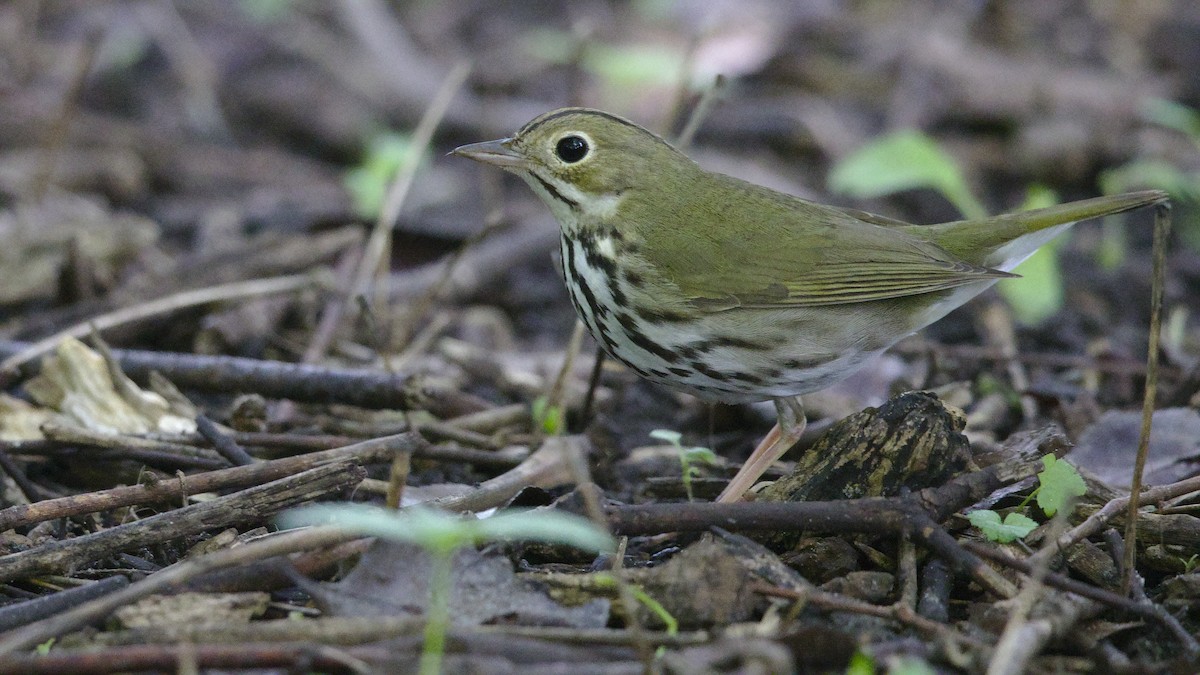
(737, 293)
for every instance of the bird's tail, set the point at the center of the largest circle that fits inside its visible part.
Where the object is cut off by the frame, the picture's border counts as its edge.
(1003, 242)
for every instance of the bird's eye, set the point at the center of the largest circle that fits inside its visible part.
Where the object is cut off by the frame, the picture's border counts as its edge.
(571, 149)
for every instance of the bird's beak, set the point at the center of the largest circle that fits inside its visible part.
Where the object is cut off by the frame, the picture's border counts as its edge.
(497, 153)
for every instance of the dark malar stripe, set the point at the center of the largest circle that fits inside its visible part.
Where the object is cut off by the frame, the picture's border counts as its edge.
(574, 205)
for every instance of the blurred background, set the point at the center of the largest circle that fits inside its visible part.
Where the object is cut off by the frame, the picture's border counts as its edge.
(148, 147)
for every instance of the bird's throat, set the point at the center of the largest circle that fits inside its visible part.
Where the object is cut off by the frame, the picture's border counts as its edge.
(571, 205)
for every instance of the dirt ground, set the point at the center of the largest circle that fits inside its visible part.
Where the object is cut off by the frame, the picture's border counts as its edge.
(240, 274)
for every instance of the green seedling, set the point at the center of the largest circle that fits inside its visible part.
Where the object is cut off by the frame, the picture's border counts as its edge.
(441, 534)
(549, 419)
(1014, 526)
(689, 457)
(1059, 484)
(904, 160)
(1183, 186)
(1038, 294)
(669, 621)
(627, 67)
(368, 182)
(861, 663)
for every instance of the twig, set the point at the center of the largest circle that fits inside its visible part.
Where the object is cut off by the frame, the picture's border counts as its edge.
(546, 468)
(222, 442)
(555, 395)
(531, 240)
(585, 415)
(198, 76)
(22, 613)
(163, 491)
(250, 505)
(300, 382)
(897, 612)
(1014, 649)
(707, 99)
(379, 241)
(31, 492)
(239, 290)
(418, 308)
(1162, 225)
(917, 514)
(1061, 582)
(288, 542)
(335, 308)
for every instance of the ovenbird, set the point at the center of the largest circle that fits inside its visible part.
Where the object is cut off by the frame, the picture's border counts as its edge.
(735, 292)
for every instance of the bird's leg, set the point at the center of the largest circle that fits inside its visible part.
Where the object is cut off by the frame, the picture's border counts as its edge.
(786, 432)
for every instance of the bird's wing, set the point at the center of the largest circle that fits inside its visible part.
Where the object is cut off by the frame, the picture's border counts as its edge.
(794, 253)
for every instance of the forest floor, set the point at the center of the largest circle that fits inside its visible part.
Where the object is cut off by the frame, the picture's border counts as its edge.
(240, 275)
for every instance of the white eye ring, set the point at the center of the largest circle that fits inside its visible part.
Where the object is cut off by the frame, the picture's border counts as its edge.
(573, 147)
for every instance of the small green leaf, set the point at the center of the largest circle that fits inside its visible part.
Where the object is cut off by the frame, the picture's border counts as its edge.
(700, 454)
(688, 457)
(1014, 526)
(667, 435)
(1152, 173)
(44, 648)
(909, 665)
(904, 160)
(544, 525)
(549, 418)
(1173, 115)
(442, 532)
(1038, 294)
(861, 663)
(625, 65)
(1060, 483)
(368, 182)
(1038, 196)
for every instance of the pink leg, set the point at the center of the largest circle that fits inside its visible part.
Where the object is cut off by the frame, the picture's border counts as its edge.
(781, 438)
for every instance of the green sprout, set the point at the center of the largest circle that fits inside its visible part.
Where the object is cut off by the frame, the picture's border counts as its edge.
(1038, 293)
(1144, 172)
(1014, 526)
(1059, 484)
(605, 580)
(368, 182)
(688, 457)
(904, 160)
(441, 534)
(550, 419)
(861, 663)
